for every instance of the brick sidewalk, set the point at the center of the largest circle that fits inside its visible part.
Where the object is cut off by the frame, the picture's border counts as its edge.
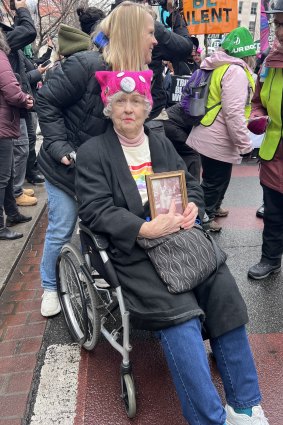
(21, 329)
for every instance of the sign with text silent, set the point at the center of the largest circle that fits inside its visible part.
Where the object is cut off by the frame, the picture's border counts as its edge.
(211, 16)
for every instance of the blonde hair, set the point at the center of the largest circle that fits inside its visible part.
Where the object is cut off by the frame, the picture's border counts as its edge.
(124, 27)
(250, 61)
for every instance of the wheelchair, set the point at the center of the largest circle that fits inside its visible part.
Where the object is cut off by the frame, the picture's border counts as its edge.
(91, 308)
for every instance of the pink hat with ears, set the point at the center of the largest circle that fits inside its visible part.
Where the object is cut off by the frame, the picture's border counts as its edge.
(112, 82)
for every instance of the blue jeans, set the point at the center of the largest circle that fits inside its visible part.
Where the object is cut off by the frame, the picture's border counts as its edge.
(62, 218)
(187, 360)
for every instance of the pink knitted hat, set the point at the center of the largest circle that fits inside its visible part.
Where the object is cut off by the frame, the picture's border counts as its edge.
(112, 82)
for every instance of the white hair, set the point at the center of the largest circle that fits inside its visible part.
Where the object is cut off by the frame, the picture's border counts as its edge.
(108, 108)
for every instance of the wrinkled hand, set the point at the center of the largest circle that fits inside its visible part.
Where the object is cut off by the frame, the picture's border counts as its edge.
(20, 3)
(189, 216)
(163, 224)
(65, 161)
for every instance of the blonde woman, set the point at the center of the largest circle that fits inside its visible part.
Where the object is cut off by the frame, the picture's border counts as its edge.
(70, 112)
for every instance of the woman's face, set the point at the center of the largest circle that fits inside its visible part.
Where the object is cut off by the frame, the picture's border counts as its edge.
(278, 19)
(197, 58)
(128, 114)
(148, 39)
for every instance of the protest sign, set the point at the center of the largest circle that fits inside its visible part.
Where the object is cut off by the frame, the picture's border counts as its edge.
(176, 88)
(211, 16)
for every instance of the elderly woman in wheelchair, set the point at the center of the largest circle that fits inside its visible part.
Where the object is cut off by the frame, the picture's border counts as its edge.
(113, 201)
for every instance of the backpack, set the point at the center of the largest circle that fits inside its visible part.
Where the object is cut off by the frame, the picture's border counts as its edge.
(195, 95)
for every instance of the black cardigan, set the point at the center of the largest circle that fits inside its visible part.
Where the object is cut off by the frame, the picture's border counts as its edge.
(109, 203)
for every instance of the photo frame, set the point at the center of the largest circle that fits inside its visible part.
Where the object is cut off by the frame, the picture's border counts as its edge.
(162, 188)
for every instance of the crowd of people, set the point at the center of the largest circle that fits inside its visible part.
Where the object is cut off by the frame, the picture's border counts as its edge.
(106, 123)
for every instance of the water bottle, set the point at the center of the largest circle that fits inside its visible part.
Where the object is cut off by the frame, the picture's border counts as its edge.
(197, 105)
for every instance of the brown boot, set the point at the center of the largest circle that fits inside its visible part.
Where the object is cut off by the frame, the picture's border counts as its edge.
(222, 212)
(26, 201)
(28, 192)
(212, 226)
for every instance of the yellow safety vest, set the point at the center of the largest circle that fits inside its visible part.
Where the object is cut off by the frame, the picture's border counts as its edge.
(214, 97)
(271, 99)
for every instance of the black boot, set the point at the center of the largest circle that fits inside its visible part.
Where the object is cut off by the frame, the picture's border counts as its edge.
(262, 270)
(35, 178)
(16, 219)
(7, 234)
(260, 211)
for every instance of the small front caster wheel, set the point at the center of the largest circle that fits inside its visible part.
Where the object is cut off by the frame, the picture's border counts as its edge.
(129, 394)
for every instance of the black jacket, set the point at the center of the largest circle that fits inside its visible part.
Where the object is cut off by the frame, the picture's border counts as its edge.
(21, 34)
(70, 112)
(110, 203)
(174, 46)
(33, 75)
(18, 37)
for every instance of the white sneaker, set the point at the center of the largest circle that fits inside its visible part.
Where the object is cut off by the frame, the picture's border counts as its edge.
(257, 417)
(50, 304)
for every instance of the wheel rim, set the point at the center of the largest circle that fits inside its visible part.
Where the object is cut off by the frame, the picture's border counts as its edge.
(93, 316)
(72, 298)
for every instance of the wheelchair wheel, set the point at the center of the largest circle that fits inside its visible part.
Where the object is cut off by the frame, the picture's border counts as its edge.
(94, 321)
(129, 394)
(77, 298)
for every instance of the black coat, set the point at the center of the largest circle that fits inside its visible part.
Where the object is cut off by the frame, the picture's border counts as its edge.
(174, 46)
(20, 35)
(109, 203)
(69, 109)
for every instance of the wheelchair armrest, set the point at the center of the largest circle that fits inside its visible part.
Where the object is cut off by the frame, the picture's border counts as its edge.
(100, 242)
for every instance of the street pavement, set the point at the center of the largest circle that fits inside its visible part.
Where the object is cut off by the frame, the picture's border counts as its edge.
(46, 379)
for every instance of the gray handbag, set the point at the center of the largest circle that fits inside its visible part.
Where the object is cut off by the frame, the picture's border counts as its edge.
(184, 259)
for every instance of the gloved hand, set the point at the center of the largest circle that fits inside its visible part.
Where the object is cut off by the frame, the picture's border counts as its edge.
(258, 125)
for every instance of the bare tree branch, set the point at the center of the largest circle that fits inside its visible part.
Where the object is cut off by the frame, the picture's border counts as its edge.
(49, 14)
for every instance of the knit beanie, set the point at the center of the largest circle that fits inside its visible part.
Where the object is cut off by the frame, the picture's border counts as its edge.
(239, 43)
(71, 40)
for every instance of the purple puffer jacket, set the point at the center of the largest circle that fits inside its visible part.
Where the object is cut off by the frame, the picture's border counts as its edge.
(11, 98)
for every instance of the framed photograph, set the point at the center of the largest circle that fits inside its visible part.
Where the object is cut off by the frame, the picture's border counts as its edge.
(163, 188)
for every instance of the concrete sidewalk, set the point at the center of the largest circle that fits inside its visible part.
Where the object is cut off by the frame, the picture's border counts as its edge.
(11, 251)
